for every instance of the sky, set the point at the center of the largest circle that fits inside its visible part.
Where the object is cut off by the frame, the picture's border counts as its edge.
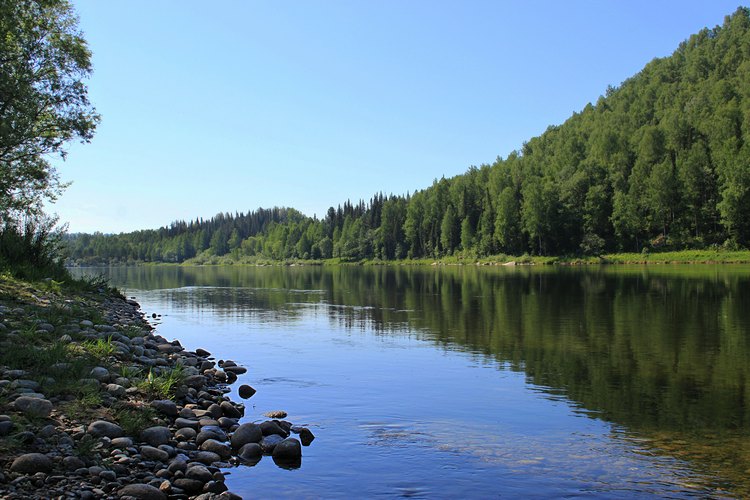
(230, 105)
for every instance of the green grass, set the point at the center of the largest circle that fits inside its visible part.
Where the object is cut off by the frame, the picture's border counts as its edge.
(680, 256)
(134, 418)
(100, 349)
(162, 385)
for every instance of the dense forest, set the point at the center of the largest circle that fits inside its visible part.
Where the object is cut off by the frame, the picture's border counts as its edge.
(662, 161)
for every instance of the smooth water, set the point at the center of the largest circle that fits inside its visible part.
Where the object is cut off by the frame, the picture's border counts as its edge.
(450, 382)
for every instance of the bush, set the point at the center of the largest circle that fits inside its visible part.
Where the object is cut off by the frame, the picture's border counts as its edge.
(31, 248)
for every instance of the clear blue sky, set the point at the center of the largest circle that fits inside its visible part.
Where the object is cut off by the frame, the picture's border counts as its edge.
(233, 105)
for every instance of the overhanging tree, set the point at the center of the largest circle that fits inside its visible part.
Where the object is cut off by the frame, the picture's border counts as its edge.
(43, 101)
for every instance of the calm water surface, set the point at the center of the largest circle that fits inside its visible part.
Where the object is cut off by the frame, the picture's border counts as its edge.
(480, 382)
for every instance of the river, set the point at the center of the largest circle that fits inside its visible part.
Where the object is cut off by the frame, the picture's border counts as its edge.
(448, 382)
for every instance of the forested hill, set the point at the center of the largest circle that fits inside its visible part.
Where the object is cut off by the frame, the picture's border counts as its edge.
(661, 161)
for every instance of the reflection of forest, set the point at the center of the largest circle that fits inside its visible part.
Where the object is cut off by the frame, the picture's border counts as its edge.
(661, 350)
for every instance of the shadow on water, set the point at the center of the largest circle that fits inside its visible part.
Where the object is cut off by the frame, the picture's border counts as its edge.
(661, 351)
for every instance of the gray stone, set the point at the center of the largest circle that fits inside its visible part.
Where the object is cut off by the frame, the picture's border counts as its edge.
(189, 486)
(25, 384)
(246, 391)
(14, 374)
(72, 463)
(199, 472)
(237, 370)
(141, 492)
(47, 431)
(184, 422)
(206, 457)
(5, 428)
(250, 451)
(268, 443)
(156, 435)
(210, 432)
(195, 381)
(227, 423)
(86, 323)
(246, 433)
(306, 436)
(288, 450)
(229, 410)
(270, 427)
(165, 406)
(122, 442)
(31, 463)
(177, 465)
(151, 453)
(45, 327)
(108, 475)
(185, 434)
(116, 390)
(215, 487)
(214, 410)
(99, 373)
(202, 353)
(221, 449)
(102, 428)
(33, 407)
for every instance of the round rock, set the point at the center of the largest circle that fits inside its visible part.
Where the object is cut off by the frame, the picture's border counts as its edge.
(288, 449)
(250, 451)
(31, 463)
(102, 428)
(151, 453)
(165, 406)
(230, 410)
(246, 391)
(221, 449)
(156, 435)
(246, 433)
(141, 492)
(33, 407)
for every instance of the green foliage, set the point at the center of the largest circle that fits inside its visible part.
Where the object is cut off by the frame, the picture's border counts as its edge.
(44, 103)
(162, 385)
(100, 349)
(134, 418)
(663, 158)
(30, 248)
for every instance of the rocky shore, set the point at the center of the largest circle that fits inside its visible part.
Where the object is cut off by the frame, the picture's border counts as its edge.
(95, 404)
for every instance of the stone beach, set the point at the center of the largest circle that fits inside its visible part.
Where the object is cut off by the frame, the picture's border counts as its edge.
(119, 411)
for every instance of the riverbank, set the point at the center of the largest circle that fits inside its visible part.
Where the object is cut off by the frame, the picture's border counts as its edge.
(95, 404)
(675, 257)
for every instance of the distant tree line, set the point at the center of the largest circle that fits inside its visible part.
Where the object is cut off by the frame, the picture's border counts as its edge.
(663, 160)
